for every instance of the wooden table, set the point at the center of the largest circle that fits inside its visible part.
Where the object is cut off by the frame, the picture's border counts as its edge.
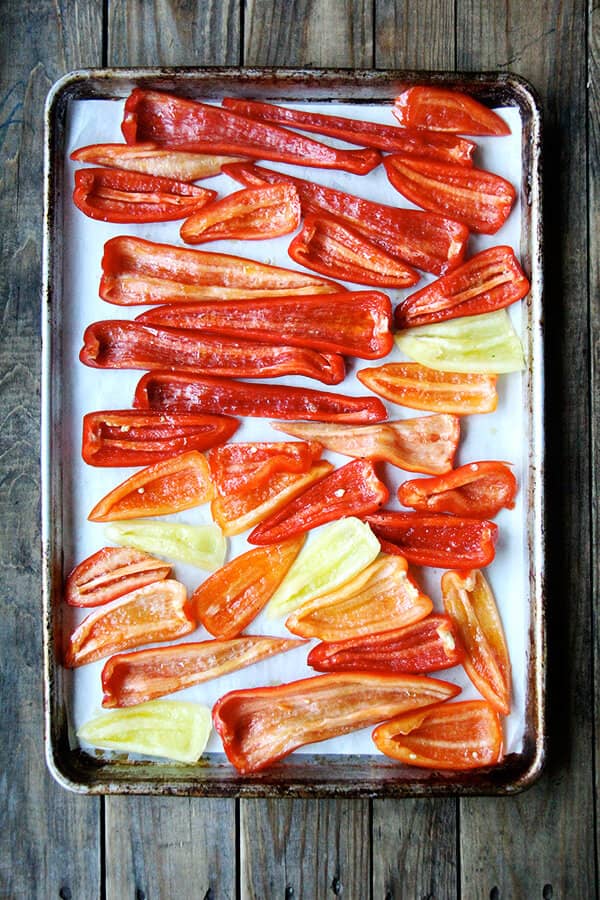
(538, 844)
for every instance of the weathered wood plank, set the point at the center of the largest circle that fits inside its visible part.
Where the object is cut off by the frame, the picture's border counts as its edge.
(39, 42)
(541, 843)
(414, 36)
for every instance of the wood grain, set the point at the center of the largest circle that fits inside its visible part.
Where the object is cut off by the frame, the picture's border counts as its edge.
(414, 36)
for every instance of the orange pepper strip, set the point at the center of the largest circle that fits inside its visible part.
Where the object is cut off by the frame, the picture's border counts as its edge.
(478, 489)
(419, 387)
(250, 214)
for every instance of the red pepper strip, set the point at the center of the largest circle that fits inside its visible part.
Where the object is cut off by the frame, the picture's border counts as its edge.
(426, 444)
(188, 125)
(352, 490)
(249, 214)
(425, 646)
(441, 109)
(383, 597)
(153, 160)
(351, 323)
(489, 280)
(419, 387)
(114, 195)
(423, 240)
(175, 484)
(137, 272)
(436, 540)
(131, 678)
(156, 612)
(125, 437)
(459, 736)
(355, 131)
(110, 573)
(176, 391)
(234, 595)
(478, 489)
(116, 344)
(242, 467)
(478, 199)
(259, 726)
(328, 246)
(236, 512)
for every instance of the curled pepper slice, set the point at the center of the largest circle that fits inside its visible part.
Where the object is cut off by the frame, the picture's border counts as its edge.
(478, 489)
(110, 573)
(420, 387)
(442, 109)
(242, 467)
(153, 160)
(251, 214)
(255, 734)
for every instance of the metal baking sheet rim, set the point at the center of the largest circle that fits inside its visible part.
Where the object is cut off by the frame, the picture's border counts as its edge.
(308, 776)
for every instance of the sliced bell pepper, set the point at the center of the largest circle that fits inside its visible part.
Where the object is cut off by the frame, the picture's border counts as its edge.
(426, 444)
(354, 323)
(136, 272)
(383, 597)
(131, 678)
(486, 344)
(202, 546)
(251, 214)
(442, 109)
(470, 603)
(188, 125)
(178, 392)
(110, 573)
(170, 486)
(331, 247)
(480, 200)
(153, 613)
(153, 160)
(242, 467)
(423, 240)
(435, 540)
(352, 490)
(489, 280)
(259, 726)
(478, 489)
(458, 736)
(234, 595)
(425, 646)
(125, 437)
(115, 195)
(421, 387)
(356, 131)
(121, 344)
(333, 556)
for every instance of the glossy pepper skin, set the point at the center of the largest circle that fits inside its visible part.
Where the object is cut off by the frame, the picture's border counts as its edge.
(188, 125)
(444, 110)
(150, 159)
(114, 195)
(242, 467)
(252, 214)
(420, 387)
(111, 572)
(478, 489)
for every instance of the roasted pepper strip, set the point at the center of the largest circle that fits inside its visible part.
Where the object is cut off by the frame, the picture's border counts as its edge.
(423, 240)
(181, 482)
(356, 131)
(420, 387)
(470, 603)
(354, 323)
(153, 160)
(259, 726)
(177, 391)
(426, 646)
(480, 200)
(329, 246)
(110, 573)
(114, 195)
(188, 125)
(121, 344)
(156, 612)
(426, 444)
(436, 540)
(131, 678)
(242, 467)
(136, 272)
(442, 109)
(478, 489)
(489, 280)
(252, 214)
(352, 490)
(125, 437)
(235, 594)
(382, 597)
(458, 736)
(202, 546)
